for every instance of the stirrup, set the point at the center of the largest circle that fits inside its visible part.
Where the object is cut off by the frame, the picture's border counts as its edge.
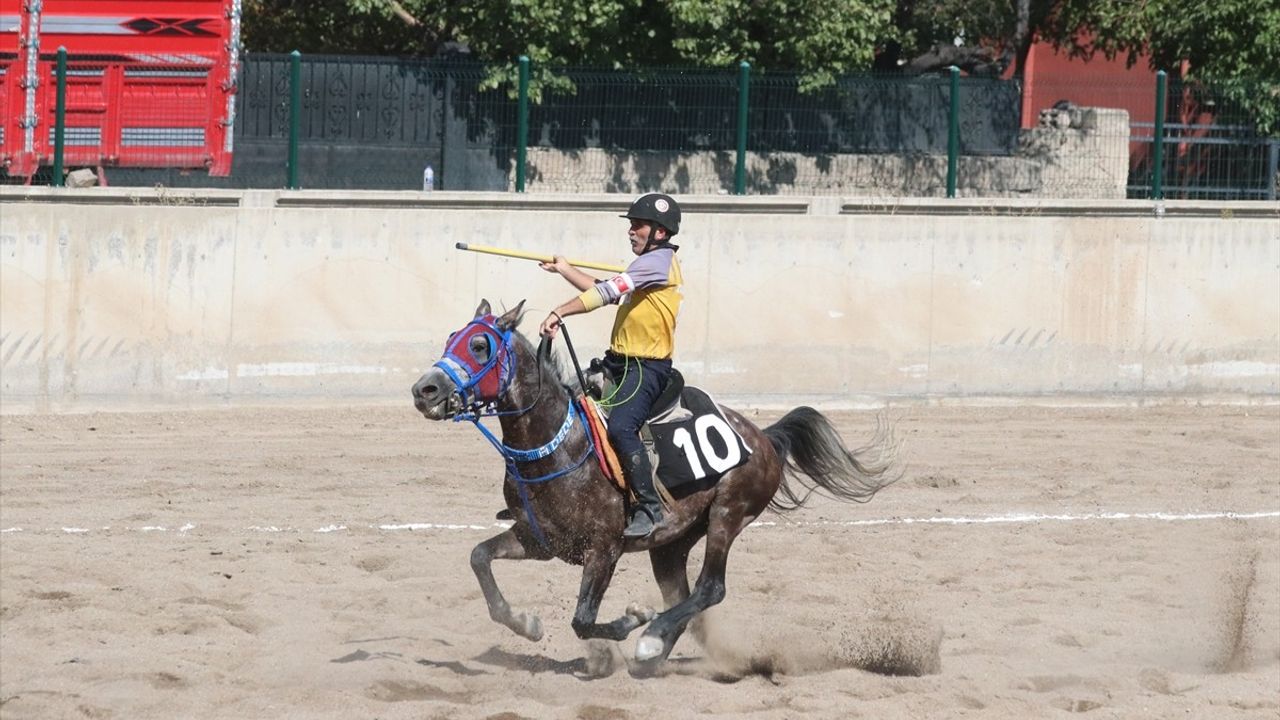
(505, 514)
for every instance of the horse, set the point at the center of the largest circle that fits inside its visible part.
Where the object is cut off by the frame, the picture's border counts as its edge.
(564, 507)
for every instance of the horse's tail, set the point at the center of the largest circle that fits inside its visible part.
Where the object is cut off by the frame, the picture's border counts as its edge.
(815, 457)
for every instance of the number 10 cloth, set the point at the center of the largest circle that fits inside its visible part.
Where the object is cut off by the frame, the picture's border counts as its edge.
(695, 443)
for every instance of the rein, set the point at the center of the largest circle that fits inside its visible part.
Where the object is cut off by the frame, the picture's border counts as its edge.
(582, 380)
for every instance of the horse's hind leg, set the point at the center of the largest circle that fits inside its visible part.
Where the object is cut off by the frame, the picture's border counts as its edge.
(671, 568)
(506, 546)
(668, 626)
(597, 570)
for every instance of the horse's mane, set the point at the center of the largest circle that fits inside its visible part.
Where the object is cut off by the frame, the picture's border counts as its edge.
(551, 363)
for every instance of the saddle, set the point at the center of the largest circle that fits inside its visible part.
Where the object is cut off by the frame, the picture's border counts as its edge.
(670, 396)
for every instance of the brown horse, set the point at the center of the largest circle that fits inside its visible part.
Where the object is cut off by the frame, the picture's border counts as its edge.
(564, 506)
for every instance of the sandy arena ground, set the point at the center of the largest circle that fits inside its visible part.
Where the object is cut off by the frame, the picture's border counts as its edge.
(254, 563)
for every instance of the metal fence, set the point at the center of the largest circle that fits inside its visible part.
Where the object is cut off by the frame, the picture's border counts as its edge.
(377, 123)
(355, 122)
(689, 130)
(1211, 149)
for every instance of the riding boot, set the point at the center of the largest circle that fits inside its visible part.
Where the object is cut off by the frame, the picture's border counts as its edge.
(647, 513)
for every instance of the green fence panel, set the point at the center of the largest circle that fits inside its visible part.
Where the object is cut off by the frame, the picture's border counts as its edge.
(1212, 149)
(666, 129)
(376, 123)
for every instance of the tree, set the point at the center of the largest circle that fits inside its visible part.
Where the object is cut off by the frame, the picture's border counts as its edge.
(339, 28)
(819, 39)
(1232, 45)
(981, 37)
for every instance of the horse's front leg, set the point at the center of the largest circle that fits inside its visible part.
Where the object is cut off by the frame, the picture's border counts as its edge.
(597, 570)
(506, 546)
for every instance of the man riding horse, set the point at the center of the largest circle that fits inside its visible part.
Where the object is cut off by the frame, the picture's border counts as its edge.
(567, 507)
(638, 360)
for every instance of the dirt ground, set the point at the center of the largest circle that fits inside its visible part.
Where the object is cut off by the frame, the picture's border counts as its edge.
(313, 563)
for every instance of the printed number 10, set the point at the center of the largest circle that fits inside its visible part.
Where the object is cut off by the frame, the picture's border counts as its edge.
(684, 440)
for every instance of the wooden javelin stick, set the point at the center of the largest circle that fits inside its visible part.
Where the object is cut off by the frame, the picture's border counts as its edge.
(534, 256)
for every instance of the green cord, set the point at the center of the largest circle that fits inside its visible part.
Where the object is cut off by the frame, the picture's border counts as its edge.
(606, 402)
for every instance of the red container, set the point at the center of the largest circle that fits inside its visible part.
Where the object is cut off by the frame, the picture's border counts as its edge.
(150, 83)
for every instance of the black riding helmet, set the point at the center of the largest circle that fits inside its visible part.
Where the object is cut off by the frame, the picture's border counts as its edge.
(657, 208)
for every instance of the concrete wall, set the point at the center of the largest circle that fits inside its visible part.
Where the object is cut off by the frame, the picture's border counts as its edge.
(112, 297)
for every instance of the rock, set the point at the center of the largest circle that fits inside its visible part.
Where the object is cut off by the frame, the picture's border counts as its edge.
(82, 178)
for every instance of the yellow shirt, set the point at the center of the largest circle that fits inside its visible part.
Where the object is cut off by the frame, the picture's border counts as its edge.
(648, 298)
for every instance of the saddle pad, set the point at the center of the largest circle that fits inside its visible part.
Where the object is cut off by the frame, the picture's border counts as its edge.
(694, 442)
(597, 430)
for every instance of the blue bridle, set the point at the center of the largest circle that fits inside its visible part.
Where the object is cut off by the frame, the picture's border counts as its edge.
(476, 406)
(466, 376)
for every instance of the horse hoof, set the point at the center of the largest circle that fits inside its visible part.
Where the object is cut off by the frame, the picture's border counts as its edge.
(646, 669)
(532, 629)
(603, 658)
(649, 648)
(643, 613)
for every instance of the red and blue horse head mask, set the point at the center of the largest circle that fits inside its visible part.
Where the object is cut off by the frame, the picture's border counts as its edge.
(480, 358)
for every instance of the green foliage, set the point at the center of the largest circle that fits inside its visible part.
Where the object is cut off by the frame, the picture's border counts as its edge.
(1233, 46)
(336, 28)
(924, 24)
(821, 40)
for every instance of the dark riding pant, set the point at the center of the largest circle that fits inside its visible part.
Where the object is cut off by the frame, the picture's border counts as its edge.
(639, 383)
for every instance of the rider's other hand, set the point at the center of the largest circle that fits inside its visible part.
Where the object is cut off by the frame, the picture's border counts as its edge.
(550, 326)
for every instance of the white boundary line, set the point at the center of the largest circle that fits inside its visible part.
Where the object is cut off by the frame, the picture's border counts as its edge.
(1016, 518)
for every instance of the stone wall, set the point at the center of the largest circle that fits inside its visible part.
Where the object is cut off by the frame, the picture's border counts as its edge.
(1074, 153)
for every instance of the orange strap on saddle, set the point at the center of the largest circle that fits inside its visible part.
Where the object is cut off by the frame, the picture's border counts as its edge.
(607, 458)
